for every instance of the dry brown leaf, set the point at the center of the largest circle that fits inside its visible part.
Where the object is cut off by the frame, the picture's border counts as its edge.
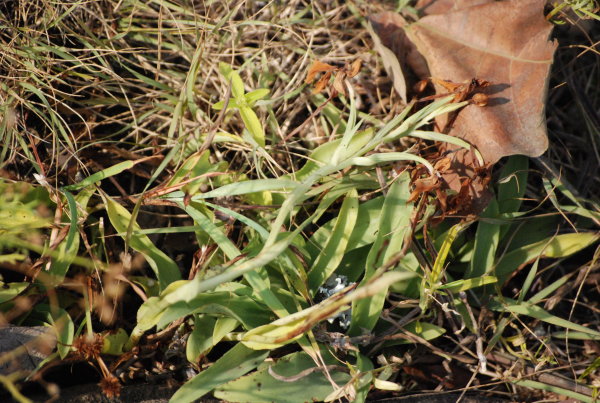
(423, 185)
(354, 68)
(338, 82)
(502, 42)
(505, 43)
(322, 83)
(318, 67)
(339, 76)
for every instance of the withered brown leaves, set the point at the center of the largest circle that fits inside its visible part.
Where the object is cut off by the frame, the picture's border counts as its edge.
(339, 75)
(502, 42)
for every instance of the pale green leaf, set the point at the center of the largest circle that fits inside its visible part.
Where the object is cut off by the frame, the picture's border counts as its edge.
(253, 124)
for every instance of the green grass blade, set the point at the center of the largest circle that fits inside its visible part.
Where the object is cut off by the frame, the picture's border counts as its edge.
(556, 390)
(240, 188)
(558, 246)
(534, 311)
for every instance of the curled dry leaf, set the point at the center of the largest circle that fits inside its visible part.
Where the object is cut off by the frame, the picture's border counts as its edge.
(339, 74)
(354, 68)
(318, 67)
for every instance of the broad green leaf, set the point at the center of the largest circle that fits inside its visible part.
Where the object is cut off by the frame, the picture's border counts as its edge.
(237, 85)
(114, 342)
(333, 252)
(364, 381)
(258, 282)
(528, 231)
(200, 341)
(182, 292)
(242, 308)
(214, 232)
(164, 267)
(555, 247)
(262, 386)
(63, 326)
(236, 362)
(195, 165)
(364, 232)
(221, 104)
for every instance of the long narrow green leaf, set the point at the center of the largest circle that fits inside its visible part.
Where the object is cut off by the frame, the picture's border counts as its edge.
(527, 383)
(253, 124)
(258, 282)
(314, 387)
(103, 174)
(524, 308)
(558, 246)
(245, 187)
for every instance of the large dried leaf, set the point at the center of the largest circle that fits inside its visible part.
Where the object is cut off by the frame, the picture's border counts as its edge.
(503, 42)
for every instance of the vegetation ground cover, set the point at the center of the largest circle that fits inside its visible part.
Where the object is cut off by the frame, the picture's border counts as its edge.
(178, 206)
